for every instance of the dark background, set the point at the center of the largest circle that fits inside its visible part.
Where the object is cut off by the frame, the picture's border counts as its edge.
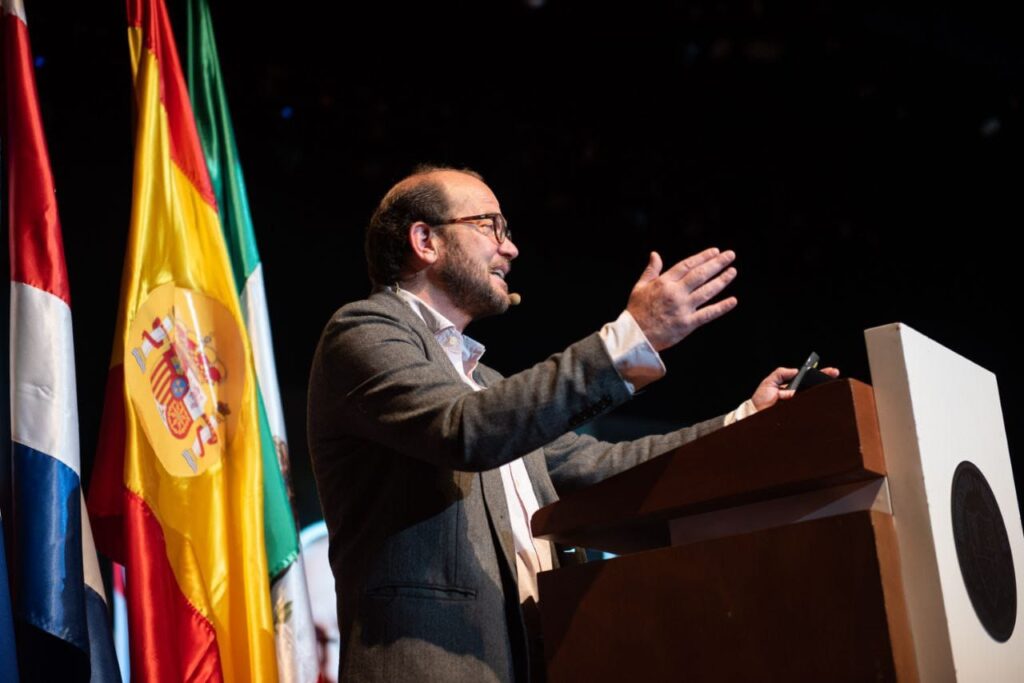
(863, 159)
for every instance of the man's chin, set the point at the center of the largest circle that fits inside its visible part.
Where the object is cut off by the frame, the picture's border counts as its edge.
(494, 305)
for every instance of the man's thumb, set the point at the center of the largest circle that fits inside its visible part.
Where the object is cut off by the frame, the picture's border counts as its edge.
(653, 268)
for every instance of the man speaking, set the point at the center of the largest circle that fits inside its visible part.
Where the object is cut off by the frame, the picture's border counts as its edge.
(429, 464)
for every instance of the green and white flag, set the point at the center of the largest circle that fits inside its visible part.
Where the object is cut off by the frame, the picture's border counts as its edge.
(294, 632)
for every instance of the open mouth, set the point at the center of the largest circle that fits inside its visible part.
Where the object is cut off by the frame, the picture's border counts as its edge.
(500, 270)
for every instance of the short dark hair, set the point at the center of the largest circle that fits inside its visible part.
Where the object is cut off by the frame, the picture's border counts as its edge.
(418, 197)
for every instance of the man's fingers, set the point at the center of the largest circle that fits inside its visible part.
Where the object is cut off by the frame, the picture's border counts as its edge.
(716, 310)
(706, 271)
(784, 374)
(710, 290)
(680, 269)
(831, 372)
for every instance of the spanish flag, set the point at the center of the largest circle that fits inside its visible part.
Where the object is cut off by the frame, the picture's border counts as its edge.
(177, 488)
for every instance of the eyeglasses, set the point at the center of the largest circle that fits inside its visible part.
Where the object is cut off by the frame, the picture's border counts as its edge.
(499, 225)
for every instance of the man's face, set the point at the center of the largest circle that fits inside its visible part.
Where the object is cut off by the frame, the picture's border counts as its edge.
(473, 266)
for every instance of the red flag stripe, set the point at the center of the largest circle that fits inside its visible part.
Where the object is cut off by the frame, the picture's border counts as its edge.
(106, 502)
(37, 249)
(183, 646)
(186, 150)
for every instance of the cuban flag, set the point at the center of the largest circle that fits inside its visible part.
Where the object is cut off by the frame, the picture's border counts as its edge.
(61, 620)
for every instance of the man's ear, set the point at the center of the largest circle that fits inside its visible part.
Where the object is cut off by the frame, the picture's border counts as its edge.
(422, 244)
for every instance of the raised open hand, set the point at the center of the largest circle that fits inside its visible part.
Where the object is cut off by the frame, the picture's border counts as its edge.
(669, 306)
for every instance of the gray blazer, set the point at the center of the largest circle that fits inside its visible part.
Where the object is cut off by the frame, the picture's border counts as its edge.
(405, 457)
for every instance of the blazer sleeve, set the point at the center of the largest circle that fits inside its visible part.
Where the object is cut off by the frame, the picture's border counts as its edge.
(579, 460)
(373, 378)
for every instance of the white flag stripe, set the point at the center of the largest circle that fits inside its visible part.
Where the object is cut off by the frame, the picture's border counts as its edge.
(121, 626)
(44, 404)
(295, 638)
(296, 642)
(90, 565)
(257, 323)
(15, 7)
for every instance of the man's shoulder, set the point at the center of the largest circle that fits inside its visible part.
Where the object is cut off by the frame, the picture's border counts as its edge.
(380, 314)
(380, 303)
(384, 306)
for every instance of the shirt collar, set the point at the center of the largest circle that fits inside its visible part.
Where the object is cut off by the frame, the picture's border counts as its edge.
(444, 329)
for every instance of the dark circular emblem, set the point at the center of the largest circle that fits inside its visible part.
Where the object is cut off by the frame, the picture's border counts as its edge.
(983, 550)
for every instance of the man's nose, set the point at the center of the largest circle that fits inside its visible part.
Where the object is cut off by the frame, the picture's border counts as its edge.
(508, 249)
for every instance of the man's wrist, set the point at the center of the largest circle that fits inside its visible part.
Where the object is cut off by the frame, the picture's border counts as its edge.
(632, 354)
(745, 410)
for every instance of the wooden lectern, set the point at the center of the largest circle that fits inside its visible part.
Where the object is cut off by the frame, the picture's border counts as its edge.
(815, 541)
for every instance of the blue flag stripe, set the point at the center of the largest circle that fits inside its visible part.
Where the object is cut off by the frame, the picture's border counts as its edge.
(49, 588)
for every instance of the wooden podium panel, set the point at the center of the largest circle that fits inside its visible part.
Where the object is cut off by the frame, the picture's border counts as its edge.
(815, 601)
(825, 438)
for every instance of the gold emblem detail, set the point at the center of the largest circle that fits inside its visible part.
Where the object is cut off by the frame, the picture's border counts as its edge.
(185, 375)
